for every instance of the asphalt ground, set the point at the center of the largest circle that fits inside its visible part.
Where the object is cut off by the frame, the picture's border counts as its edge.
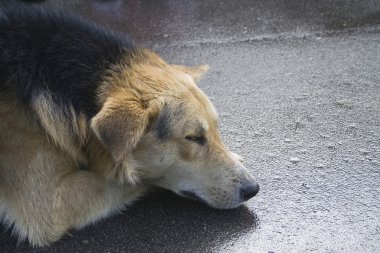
(297, 88)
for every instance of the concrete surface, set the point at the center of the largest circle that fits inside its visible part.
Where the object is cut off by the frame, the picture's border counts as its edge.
(297, 87)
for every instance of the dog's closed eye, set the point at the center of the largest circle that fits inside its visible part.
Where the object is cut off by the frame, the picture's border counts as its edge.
(201, 140)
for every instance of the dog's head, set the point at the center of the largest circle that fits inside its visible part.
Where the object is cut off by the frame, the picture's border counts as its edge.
(161, 129)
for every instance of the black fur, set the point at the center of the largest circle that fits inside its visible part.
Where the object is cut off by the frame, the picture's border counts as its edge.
(162, 127)
(168, 115)
(47, 50)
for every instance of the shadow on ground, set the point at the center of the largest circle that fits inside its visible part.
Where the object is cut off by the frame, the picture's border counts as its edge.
(157, 223)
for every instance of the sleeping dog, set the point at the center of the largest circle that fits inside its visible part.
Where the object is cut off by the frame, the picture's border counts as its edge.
(89, 122)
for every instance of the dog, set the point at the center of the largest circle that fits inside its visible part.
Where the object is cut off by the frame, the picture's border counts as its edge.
(90, 122)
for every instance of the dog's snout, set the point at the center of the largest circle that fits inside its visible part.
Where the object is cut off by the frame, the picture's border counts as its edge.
(249, 190)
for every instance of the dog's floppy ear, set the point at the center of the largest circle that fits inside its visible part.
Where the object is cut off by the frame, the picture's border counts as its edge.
(120, 125)
(195, 72)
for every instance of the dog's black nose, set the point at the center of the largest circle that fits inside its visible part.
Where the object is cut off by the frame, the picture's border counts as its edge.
(249, 190)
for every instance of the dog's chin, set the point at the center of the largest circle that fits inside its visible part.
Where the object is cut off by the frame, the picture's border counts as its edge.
(193, 196)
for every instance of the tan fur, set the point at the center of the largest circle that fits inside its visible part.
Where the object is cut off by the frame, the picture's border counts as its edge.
(43, 193)
(70, 135)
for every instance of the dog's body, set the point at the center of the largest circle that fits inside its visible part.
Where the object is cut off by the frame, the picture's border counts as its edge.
(88, 122)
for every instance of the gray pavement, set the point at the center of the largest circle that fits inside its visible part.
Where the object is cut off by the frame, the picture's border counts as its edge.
(297, 87)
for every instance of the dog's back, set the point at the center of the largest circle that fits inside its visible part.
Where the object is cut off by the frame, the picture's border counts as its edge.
(51, 50)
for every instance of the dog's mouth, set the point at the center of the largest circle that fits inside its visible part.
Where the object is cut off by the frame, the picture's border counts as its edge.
(193, 196)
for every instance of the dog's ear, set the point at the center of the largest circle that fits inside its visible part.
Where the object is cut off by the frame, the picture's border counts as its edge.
(195, 72)
(120, 124)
